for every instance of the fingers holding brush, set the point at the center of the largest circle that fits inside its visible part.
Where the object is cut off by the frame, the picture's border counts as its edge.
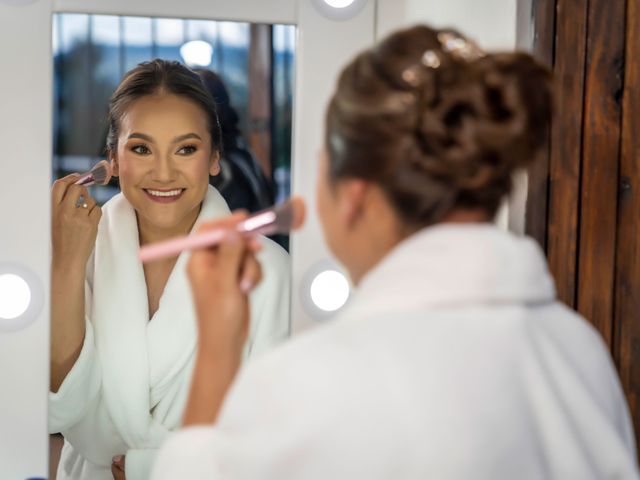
(74, 222)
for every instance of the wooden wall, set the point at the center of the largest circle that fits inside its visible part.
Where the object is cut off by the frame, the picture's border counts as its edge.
(584, 193)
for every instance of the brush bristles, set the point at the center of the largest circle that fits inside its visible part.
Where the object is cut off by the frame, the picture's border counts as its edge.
(101, 173)
(290, 215)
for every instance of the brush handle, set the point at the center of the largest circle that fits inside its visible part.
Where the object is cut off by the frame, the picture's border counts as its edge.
(85, 180)
(175, 246)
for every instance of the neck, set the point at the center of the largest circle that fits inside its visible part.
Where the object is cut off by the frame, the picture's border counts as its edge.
(150, 233)
(392, 232)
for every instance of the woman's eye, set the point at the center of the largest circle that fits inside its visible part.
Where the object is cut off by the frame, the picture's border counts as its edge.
(187, 150)
(141, 150)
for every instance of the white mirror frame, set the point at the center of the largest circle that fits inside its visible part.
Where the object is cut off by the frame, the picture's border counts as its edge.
(323, 46)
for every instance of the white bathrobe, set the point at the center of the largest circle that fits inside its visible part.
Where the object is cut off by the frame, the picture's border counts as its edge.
(453, 361)
(128, 388)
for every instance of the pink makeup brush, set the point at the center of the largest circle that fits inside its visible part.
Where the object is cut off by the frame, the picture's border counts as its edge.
(279, 219)
(100, 174)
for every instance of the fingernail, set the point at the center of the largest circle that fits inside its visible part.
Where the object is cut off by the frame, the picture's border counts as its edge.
(246, 285)
(117, 459)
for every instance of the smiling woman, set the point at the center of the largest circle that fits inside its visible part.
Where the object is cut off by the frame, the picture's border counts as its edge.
(123, 334)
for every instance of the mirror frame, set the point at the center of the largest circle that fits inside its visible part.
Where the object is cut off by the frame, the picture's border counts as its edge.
(323, 46)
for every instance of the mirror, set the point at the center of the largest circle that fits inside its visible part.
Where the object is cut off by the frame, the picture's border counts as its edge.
(120, 367)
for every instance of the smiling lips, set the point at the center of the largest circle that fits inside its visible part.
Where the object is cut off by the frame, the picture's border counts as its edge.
(164, 196)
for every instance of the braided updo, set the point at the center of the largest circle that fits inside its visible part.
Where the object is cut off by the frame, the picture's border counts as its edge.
(437, 123)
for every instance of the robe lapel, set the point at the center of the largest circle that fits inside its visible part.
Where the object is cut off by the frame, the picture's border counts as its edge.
(137, 354)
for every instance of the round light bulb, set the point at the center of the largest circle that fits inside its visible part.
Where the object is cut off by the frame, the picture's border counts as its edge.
(339, 10)
(339, 3)
(196, 53)
(15, 296)
(329, 290)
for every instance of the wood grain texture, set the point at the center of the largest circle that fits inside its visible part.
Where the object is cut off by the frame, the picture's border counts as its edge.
(627, 300)
(566, 143)
(600, 158)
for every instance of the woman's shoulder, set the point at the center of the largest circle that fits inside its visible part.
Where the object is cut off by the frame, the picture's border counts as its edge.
(273, 255)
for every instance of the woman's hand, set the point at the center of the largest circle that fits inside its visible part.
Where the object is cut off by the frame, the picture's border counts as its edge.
(221, 280)
(117, 467)
(74, 230)
(74, 222)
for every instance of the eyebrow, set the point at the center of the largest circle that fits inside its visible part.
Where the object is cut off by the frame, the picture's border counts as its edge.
(177, 139)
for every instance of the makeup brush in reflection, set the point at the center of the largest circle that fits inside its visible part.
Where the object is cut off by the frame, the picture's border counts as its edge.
(100, 174)
(282, 218)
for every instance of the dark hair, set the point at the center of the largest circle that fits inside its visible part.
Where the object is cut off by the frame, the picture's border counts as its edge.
(160, 76)
(228, 116)
(437, 123)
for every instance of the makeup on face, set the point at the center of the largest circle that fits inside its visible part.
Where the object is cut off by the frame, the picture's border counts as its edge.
(164, 158)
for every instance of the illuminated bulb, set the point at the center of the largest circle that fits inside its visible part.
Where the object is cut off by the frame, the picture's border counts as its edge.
(196, 53)
(329, 290)
(339, 3)
(15, 296)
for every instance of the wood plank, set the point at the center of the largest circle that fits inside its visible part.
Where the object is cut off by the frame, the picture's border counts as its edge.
(627, 304)
(541, 15)
(600, 157)
(566, 142)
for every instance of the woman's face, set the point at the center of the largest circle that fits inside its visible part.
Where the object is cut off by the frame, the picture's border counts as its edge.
(164, 158)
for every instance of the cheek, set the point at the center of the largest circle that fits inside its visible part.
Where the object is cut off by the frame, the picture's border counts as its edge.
(197, 168)
(324, 203)
(128, 168)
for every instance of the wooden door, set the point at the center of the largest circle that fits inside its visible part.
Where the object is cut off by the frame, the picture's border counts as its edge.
(584, 193)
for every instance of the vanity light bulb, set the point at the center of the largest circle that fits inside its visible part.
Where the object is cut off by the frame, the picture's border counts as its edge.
(339, 3)
(196, 53)
(15, 296)
(329, 290)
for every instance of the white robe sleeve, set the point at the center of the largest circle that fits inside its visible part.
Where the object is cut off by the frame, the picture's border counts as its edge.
(275, 424)
(270, 302)
(80, 387)
(188, 450)
(82, 384)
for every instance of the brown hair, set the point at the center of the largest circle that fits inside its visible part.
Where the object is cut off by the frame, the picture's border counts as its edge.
(436, 123)
(160, 76)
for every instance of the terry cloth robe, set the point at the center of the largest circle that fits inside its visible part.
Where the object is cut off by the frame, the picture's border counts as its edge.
(453, 361)
(129, 386)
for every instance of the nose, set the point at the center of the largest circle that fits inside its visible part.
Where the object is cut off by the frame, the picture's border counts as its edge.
(163, 169)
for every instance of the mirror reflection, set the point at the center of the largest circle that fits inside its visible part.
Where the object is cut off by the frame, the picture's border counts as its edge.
(193, 118)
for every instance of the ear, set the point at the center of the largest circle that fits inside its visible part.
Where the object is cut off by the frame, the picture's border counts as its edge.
(353, 201)
(214, 163)
(115, 167)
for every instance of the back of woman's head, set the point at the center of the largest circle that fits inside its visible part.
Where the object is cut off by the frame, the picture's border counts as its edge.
(436, 123)
(228, 116)
(155, 78)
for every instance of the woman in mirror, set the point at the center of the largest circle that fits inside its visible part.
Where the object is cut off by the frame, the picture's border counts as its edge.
(454, 359)
(124, 334)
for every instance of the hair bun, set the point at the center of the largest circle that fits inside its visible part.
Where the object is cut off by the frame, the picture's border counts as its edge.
(486, 121)
(436, 122)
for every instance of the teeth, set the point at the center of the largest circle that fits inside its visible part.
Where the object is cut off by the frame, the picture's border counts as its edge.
(171, 193)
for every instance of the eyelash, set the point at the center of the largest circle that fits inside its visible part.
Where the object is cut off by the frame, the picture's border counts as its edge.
(135, 148)
(191, 149)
